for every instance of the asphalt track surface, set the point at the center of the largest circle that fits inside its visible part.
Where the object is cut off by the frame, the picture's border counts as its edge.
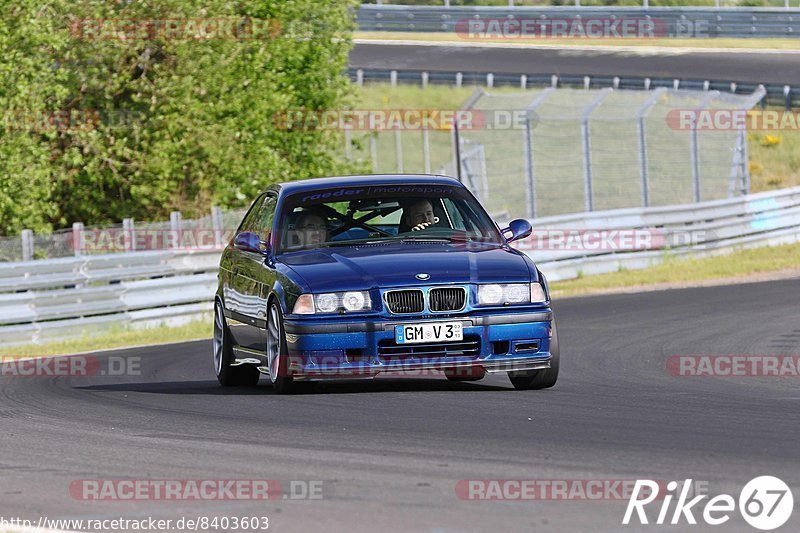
(390, 451)
(741, 67)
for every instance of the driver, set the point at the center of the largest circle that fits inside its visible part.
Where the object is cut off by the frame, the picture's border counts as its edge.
(418, 214)
(310, 229)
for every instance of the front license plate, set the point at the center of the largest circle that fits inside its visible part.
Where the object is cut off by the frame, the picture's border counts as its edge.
(435, 332)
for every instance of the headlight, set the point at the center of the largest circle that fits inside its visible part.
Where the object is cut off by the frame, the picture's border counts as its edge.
(327, 303)
(490, 294)
(510, 293)
(354, 301)
(332, 302)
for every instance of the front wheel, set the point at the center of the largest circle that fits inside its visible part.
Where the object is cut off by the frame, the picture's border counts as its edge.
(276, 351)
(539, 379)
(228, 375)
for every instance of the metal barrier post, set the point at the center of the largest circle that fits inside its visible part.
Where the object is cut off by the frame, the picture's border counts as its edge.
(216, 225)
(175, 229)
(27, 245)
(77, 238)
(128, 232)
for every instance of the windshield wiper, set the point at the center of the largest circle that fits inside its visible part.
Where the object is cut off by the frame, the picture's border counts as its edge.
(413, 238)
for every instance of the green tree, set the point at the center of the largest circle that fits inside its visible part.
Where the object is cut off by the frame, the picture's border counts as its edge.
(178, 122)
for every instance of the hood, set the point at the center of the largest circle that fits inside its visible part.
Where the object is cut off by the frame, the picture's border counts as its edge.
(397, 264)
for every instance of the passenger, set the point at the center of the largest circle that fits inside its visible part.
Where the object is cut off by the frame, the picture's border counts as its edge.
(310, 229)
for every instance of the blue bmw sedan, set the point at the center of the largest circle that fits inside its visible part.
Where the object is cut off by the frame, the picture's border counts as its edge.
(355, 276)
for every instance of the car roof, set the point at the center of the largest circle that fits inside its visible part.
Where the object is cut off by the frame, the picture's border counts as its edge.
(313, 184)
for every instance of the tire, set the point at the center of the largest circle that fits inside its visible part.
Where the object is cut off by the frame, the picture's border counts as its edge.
(474, 373)
(277, 359)
(539, 379)
(229, 376)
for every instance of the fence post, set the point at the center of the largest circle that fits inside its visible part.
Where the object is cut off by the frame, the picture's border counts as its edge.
(426, 150)
(490, 80)
(128, 231)
(373, 150)
(27, 245)
(587, 149)
(460, 79)
(175, 229)
(643, 163)
(216, 225)
(360, 77)
(393, 78)
(693, 147)
(787, 95)
(455, 140)
(527, 137)
(398, 150)
(424, 80)
(77, 238)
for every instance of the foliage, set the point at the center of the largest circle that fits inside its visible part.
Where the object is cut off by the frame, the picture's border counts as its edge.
(161, 121)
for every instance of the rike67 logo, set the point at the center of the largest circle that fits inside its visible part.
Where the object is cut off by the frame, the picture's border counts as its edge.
(765, 502)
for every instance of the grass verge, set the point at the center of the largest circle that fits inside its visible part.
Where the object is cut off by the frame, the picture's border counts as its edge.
(740, 266)
(114, 338)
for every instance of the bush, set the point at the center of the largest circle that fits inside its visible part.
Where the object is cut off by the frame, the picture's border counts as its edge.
(164, 122)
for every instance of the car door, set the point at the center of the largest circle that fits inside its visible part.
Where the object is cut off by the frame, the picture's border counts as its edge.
(233, 290)
(254, 279)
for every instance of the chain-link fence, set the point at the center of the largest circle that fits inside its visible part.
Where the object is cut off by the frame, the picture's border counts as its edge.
(554, 151)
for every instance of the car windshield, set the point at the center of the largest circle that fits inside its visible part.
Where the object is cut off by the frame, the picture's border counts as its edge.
(345, 216)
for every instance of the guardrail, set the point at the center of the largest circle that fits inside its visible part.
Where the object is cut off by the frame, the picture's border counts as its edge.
(64, 298)
(694, 22)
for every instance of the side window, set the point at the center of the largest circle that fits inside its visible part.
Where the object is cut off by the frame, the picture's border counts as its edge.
(248, 223)
(264, 218)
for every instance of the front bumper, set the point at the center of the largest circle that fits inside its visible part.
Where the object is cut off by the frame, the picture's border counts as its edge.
(500, 342)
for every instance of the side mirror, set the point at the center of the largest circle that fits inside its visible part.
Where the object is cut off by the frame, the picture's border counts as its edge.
(519, 228)
(247, 241)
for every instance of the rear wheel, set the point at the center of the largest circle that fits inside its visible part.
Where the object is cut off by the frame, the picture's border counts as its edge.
(228, 375)
(539, 379)
(470, 373)
(276, 351)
